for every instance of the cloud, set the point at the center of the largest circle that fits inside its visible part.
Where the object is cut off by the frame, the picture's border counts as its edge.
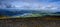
(54, 0)
(50, 5)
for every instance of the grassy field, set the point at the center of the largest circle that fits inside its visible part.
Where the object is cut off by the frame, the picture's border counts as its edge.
(48, 21)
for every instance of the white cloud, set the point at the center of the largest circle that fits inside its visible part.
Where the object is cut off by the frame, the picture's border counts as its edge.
(35, 5)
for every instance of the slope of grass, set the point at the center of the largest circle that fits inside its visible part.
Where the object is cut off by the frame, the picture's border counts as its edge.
(29, 15)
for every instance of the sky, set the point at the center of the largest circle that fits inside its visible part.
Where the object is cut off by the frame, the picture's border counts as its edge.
(50, 5)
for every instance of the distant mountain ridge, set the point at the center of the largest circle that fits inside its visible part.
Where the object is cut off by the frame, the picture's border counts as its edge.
(10, 13)
(4, 12)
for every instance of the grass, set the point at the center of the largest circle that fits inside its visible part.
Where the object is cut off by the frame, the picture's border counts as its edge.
(42, 16)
